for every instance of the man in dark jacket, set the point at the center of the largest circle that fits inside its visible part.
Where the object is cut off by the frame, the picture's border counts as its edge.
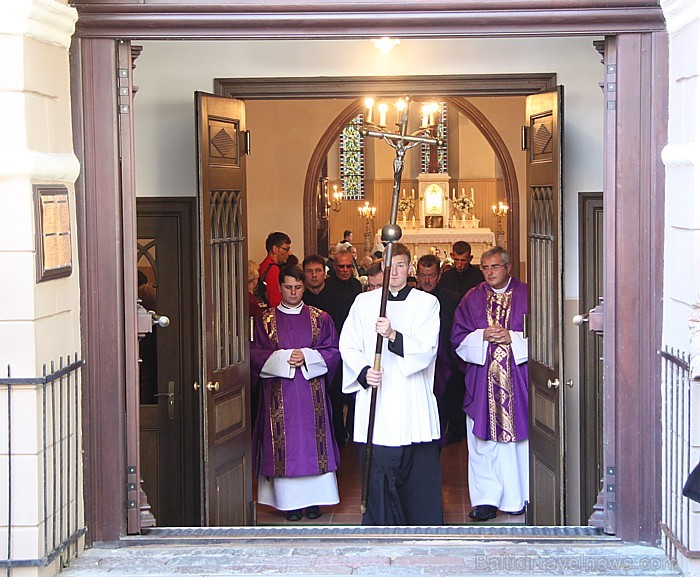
(463, 275)
(449, 378)
(335, 296)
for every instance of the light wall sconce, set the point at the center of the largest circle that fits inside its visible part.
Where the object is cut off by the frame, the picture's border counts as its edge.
(335, 202)
(385, 44)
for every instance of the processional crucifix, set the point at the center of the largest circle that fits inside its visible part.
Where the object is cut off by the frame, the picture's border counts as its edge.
(400, 141)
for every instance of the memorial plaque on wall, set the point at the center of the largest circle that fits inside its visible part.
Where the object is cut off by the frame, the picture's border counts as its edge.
(53, 235)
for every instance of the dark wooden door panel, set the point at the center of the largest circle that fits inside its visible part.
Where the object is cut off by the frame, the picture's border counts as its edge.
(169, 430)
(230, 482)
(545, 285)
(591, 252)
(225, 348)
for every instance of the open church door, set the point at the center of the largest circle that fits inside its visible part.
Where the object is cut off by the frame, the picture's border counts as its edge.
(225, 390)
(544, 256)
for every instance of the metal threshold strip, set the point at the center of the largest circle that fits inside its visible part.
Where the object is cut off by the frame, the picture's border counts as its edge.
(213, 535)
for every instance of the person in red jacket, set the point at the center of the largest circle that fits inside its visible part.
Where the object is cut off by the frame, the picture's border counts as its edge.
(278, 246)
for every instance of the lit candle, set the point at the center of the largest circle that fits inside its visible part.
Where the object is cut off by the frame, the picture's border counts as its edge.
(493, 208)
(472, 195)
(432, 109)
(454, 193)
(454, 221)
(400, 107)
(403, 193)
(413, 221)
(424, 116)
(382, 114)
(369, 104)
(463, 221)
(463, 192)
(413, 193)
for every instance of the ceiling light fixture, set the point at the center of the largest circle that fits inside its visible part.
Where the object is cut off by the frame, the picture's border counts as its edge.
(385, 44)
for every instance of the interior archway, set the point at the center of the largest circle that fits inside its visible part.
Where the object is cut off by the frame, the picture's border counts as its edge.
(485, 127)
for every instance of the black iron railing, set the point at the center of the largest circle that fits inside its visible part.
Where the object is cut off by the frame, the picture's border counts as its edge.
(58, 454)
(676, 509)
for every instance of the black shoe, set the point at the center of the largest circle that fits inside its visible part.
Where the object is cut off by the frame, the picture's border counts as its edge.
(294, 515)
(483, 512)
(515, 513)
(313, 512)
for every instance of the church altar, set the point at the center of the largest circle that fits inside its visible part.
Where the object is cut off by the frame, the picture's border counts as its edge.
(420, 241)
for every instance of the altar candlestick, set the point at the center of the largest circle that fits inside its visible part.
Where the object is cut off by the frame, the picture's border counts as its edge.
(472, 196)
(403, 193)
(462, 192)
(413, 221)
(464, 224)
(454, 193)
(413, 193)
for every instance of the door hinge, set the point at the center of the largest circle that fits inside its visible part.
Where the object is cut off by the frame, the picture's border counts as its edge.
(131, 488)
(523, 137)
(610, 488)
(246, 142)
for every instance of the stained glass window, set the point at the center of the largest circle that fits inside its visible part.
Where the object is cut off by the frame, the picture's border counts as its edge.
(352, 160)
(441, 150)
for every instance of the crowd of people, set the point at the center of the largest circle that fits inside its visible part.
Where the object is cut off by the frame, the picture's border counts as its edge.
(453, 364)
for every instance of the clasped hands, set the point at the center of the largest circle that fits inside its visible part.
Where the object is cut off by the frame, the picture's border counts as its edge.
(497, 335)
(296, 359)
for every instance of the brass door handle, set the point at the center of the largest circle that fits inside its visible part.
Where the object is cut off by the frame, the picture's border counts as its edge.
(196, 386)
(570, 383)
(552, 384)
(213, 386)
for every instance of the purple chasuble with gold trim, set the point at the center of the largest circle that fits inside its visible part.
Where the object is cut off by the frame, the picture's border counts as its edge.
(496, 396)
(292, 435)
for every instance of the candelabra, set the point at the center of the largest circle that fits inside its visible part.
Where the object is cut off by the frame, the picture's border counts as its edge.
(500, 213)
(401, 141)
(368, 213)
(336, 200)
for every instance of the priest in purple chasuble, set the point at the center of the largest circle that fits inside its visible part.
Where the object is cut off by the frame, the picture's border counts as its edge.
(293, 358)
(488, 334)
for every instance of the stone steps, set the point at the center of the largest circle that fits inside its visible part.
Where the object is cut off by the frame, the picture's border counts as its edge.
(320, 556)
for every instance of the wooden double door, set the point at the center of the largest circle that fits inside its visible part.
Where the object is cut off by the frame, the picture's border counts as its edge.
(208, 410)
